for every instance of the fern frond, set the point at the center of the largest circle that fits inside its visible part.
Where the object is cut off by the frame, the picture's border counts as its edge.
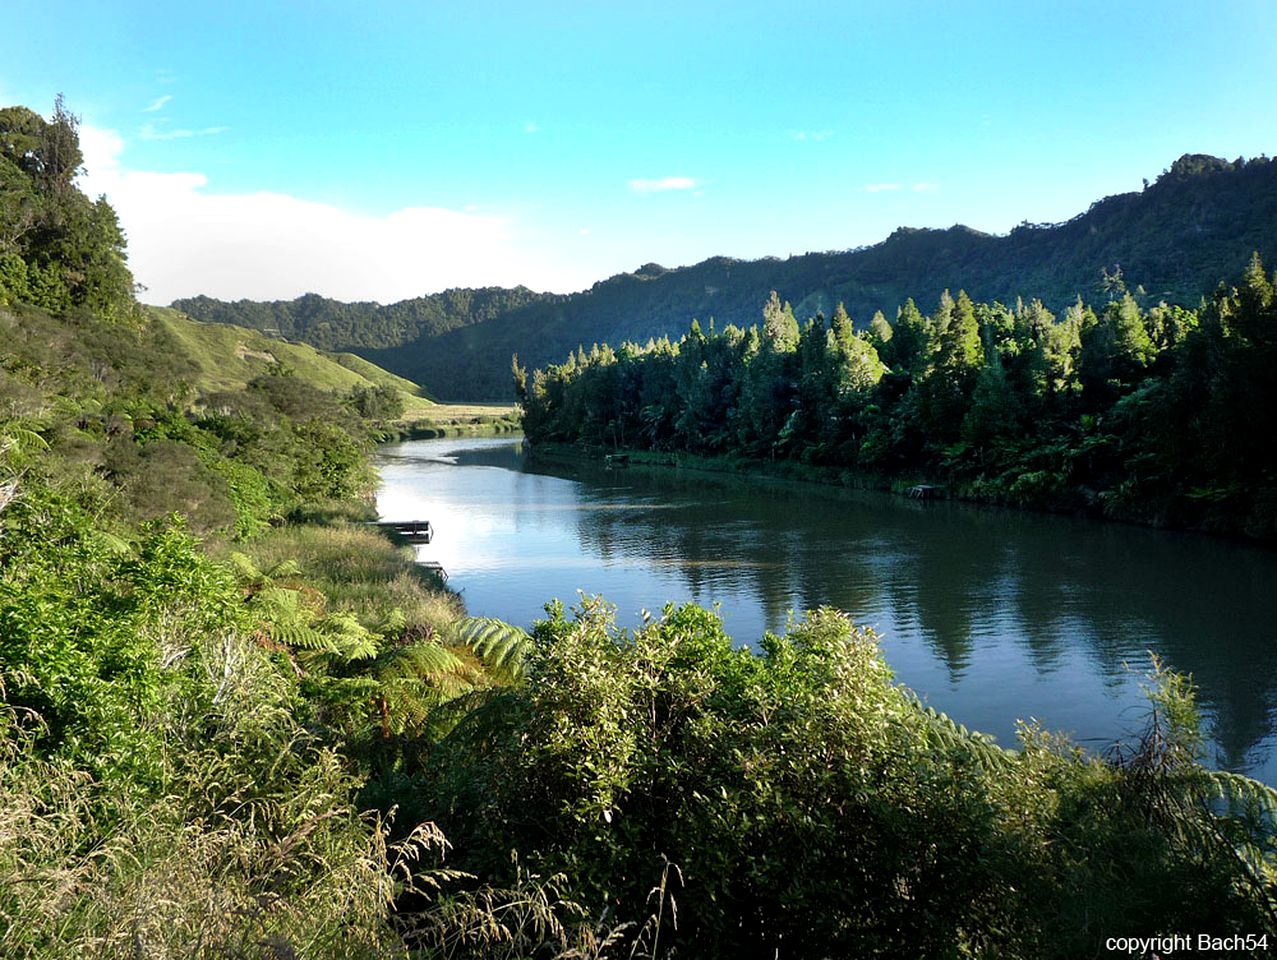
(283, 569)
(282, 604)
(406, 705)
(349, 637)
(501, 646)
(1248, 800)
(301, 636)
(417, 661)
(245, 570)
(22, 440)
(947, 734)
(415, 681)
(394, 623)
(77, 406)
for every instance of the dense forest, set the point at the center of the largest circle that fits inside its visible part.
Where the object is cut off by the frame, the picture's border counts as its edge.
(236, 720)
(1173, 241)
(1163, 416)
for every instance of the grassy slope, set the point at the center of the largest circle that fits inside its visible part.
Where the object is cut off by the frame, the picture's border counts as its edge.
(228, 357)
(371, 372)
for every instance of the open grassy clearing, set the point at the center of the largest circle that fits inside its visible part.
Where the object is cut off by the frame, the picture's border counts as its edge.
(422, 419)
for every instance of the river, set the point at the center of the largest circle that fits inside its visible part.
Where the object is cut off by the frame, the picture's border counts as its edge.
(991, 615)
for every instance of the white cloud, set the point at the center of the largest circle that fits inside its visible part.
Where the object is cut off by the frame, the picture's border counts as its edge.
(158, 103)
(531, 127)
(185, 239)
(642, 185)
(925, 187)
(879, 187)
(816, 135)
(150, 132)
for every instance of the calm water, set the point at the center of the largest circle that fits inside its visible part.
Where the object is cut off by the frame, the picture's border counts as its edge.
(991, 615)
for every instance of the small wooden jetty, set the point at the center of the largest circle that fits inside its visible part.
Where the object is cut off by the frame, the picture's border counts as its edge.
(435, 567)
(616, 460)
(415, 531)
(924, 491)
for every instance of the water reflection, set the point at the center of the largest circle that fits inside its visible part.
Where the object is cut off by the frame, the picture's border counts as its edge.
(993, 615)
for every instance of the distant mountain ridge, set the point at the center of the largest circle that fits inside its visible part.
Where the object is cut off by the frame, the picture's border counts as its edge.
(1198, 223)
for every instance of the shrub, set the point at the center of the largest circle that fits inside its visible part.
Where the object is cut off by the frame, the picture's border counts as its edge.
(813, 808)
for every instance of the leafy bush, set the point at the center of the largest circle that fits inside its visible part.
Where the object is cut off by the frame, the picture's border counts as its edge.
(814, 808)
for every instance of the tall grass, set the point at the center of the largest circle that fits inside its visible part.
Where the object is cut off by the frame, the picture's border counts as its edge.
(361, 571)
(251, 849)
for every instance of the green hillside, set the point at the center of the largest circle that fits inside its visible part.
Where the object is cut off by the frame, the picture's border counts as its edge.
(227, 357)
(203, 646)
(1172, 241)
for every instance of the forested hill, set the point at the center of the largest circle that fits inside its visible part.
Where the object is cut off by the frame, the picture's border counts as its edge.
(1174, 241)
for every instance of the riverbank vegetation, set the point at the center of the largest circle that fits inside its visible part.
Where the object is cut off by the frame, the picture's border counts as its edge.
(1156, 414)
(795, 801)
(456, 420)
(236, 720)
(200, 638)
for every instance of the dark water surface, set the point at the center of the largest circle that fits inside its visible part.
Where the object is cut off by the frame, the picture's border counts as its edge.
(991, 615)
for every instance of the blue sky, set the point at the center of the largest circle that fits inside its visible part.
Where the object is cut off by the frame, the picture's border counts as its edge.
(384, 150)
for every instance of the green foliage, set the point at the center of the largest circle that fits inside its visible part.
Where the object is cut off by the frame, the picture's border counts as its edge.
(58, 249)
(182, 740)
(382, 402)
(251, 848)
(85, 628)
(186, 741)
(333, 465)
(175, 724)
(813, 806)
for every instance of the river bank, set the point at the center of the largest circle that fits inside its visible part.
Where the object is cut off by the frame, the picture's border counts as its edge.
(1076, 502)
(453, 420)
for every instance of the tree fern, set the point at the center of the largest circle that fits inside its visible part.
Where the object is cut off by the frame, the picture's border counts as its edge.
(1251, 811)
(501, 646)
(298, 635)
(349, 638)
(414, 680)
(21, 440)
(416, 661)
(393, 623)
(291, 618)
(254, 578)
(947, 734)
(1243, 795)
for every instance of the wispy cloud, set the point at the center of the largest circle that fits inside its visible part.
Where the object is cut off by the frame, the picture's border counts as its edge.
(531, 127)
(925, 187)
(816, 135)
(150, 131)
(879, 187)
(158, 103)
(660, 185)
